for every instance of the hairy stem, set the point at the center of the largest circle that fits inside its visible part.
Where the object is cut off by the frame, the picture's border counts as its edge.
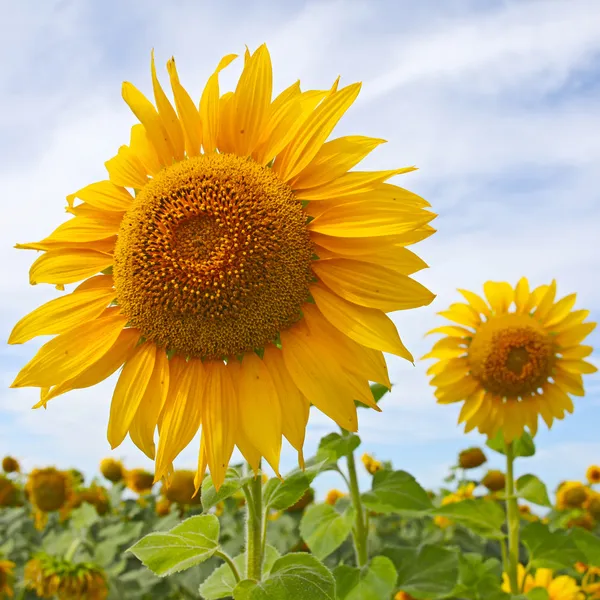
(224, 556)
(512, 521)
(254, 546)
(360, 531)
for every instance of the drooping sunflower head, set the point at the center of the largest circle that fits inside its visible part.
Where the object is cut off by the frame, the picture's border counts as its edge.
(371, 464)
(180, 488)
(163, 507)
(9, 493)
(139, 481)
(333, 496)
(494, 480)
(97, 496)
(593, 474)
(512, 358)
(6, 578)
(571, 494)
(10, 465)
(471, 458)
(307, 498)
(55, 577)
(112, 469)
(235, 266)
(49, 489)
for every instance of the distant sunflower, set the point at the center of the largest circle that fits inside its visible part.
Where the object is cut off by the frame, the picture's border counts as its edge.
(511, 359)
(593, 474)
(562, 587)
(9, 493)
(112, 469)
(6, 578)
(49, 489)
(10, 465)
(139, 481)
(180, 488)
(235, 267)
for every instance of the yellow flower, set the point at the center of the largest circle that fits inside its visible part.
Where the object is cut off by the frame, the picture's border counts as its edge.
(163, 507)
(562, 587)
(180, 488)
(403, 596)
(585, 521)
(571, 494)
(333, 496)
(471, 458)
(494, 480)
(593, 474)
(6, 578)
(371, 465)
(10, 465)
(49, 489)
(306, 499)
(219, 508)
(9, 494)
(97, 496)
(511, 359)
(112, 469)
(139, 481)
(243, 264)
(464, 492)
(592, 504)
(53, 577)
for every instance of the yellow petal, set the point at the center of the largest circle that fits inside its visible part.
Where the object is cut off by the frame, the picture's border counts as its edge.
(148, 116)
(369, 219)
(576, 352)
(578, 366)
(448, 377)
(252, 101)
(450, 347)
(471, 406)
(294, 406)
(367, 326)
(144, 422)
(319, 377)
(313, 133)
(168, 117)
(61, 314)
(259, 409)
(476, 302)
(187, 111)
(522, 295)
(125, 169)
(499, 294)
(219, 419)
(574, 335)
(181, 415)
(142, 148)
(103, 195)
(513, 424)
(372, 285)
(560, 310)
(571, 383)
(225, 138)
(462, 314)
(70, 353)
(334, 159)
(458, 390)
(68, 266)
(201, 468)
(95, 282)
(453, 331)
(85, 229)
(103, 368)
(129, 391)
(209, 107)
(546, 303)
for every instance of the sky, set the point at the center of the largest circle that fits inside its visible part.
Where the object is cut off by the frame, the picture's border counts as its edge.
(496, 101)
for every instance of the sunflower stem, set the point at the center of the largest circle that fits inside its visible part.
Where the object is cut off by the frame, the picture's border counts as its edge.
(254, 546)
(224, 556)
(72, 549)
(512, 521)
(360, 531)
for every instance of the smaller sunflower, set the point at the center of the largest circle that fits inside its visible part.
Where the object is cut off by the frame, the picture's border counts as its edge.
(333, 496)
(181, 489)
(371, 464)
(139, 481)
(97, 496)
(112, 469)
(51, 577)
(6, 578)
(464, 492)
(162, 507)
(592, 505)
(494, 480)
(571, 494)
(593, 474)
(9, 493)
(471, 458)
(403, 596)
(49, 489)
(512, 358)
(562, 587)
(307, 498)
(10, 465)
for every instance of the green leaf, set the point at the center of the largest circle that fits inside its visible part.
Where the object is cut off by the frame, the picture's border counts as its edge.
(484, 517)
(530, 488)
(524, 446)
(210, 497)
(190, 543)
(430, 571)
(373, 582)
(396, 492)
(280, 495)
(221, 582)
(296, 576)
(243, 589)
(324, 529)
(84, 516)
(537, 593)
(550, 549)
(334, 446)
(588, 544)
(479, 579)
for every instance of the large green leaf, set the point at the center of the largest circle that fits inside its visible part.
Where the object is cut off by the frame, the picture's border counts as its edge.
(324, 529)
(482, 516)
(588, 544)
(396, 492)
(190, 543)
(84, 516)
(426, 572)
(221, 582)
(373, 582)
(334, 446)
(280, 495)
(210, 497)
(479, 578)
(293, 577)
(524, 446)
(530, 488)
(550, 549)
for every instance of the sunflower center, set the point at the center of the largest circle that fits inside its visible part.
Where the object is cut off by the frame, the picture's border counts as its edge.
(213, 258)
(511, 355)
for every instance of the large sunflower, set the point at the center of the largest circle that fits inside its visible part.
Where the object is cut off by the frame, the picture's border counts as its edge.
(511, 359)
(235, 268)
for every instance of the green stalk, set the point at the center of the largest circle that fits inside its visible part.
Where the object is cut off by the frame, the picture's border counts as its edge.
(224, 556)
(360, 531)
(512, 521)
(72, 549)
(254, 547)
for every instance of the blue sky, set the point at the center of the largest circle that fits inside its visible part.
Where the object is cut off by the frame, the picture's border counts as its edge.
(496, 102)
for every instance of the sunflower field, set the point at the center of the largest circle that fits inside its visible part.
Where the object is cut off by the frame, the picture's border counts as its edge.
(234, 271)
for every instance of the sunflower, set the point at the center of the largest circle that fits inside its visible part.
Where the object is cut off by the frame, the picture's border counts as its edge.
(571, 494)
(403, 596)
(511, 359)
(562, 587)
(112, 469)
(162, 507)
(471, 458)
(371, 464)
(181, 489)
(494, 480)
(307, 498)
(10, 465)
(234, 266)
(9, 493)
(6, 578)
(333, 496)
(49, 489)
(464, 492)
(97, 496)
(593, 474)
(139, 481)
